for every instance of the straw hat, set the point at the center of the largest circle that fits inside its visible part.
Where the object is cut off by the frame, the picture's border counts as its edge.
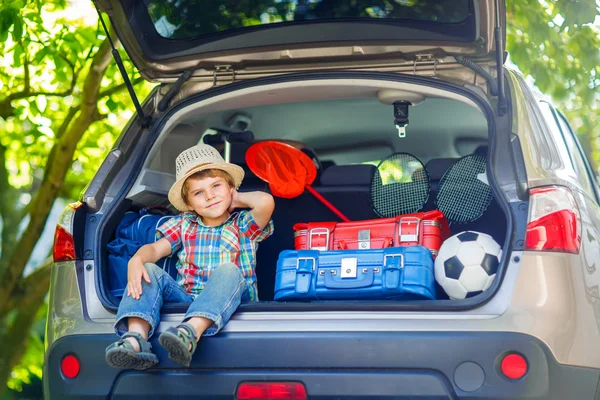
(195, 159)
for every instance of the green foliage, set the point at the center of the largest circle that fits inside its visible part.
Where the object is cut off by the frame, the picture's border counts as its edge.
(55, 54)
(30, 366)
(46, 51)
(11, 18)
(557, 44)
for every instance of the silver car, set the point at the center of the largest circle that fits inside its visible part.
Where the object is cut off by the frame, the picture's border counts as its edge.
(325, 76)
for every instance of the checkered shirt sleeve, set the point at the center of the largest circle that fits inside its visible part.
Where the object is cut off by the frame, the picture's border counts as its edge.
(171, 230)
(249, 228)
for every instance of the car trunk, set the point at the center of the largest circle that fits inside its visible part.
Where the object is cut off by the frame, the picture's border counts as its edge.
(318, 73)
(344, 118)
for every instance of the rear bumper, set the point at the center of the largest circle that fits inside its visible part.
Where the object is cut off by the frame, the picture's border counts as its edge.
(357, 365)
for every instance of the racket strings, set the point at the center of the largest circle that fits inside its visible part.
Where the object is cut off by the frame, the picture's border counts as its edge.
(400, 185)
(464, 193)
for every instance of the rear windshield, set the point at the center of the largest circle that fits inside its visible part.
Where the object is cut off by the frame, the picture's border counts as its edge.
(186, 19)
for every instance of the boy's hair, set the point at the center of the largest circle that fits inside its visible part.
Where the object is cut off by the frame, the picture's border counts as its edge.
(207, 173)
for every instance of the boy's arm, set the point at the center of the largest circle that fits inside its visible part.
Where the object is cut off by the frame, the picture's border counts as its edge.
(151, 253)
(261, 203)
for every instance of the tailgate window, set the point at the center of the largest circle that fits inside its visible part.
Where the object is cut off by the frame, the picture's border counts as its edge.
(186, 19)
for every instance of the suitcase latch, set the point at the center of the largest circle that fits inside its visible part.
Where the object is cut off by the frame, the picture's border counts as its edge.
(364, 239)
(348, 268)
(318, 232)
(406, 226)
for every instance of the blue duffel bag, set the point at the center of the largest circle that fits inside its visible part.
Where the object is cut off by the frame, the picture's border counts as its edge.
(135, 230)
(402, 273)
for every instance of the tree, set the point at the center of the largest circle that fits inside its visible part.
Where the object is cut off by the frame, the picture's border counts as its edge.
(557, 43)
(61, 103)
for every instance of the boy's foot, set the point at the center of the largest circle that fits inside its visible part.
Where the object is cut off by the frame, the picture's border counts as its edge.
(180, 342)
(127, 355)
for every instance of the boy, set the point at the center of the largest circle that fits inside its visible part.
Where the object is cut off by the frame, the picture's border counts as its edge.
(216, 261)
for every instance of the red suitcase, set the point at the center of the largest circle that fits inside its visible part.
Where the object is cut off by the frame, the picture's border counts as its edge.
(428, 229)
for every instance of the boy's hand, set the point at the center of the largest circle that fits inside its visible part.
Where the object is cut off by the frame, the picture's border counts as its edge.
(135, 272)
(151, 253)
(235, 201)
(261, 203)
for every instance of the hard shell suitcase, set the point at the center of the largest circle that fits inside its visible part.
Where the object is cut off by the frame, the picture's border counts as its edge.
(427, 229)
(402, 273)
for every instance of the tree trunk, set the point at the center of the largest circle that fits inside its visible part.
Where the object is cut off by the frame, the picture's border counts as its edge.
(14, 338)
(21, 298)
(59, 161)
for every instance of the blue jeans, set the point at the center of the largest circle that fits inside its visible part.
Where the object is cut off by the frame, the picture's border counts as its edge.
(225, 290)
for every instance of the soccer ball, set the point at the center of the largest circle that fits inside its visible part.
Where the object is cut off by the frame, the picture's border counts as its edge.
(467, 263)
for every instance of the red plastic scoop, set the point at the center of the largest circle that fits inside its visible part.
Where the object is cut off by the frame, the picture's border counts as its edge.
(286, 169)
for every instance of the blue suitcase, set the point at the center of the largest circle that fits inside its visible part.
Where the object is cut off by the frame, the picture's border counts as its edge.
(402, 273)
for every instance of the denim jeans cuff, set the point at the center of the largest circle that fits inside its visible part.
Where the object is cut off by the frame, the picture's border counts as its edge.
(214, 328)
(121, 325)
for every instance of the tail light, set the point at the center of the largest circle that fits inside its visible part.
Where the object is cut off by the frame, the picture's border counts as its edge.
(271, 391)
(64, 245)
(514, 366)
(69, 366)
(554, 222)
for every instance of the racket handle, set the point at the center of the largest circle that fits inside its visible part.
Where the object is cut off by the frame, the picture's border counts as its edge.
(327, 203)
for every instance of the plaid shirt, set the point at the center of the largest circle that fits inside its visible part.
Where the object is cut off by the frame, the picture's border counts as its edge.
(203, 248)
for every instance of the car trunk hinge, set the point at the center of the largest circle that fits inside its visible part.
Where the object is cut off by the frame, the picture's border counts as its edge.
(499, 61)
(223, 72)
(145, 119)
(424, 62)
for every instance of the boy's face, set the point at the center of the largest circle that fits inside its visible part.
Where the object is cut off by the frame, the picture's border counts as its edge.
(210, 198)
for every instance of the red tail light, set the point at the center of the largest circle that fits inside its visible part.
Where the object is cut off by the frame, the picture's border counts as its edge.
(554, 221)
(69, 366)
(514, 366)
(271, 391)
(64, 245)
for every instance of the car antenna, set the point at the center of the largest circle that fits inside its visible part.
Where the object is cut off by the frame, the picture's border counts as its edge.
(145, 120)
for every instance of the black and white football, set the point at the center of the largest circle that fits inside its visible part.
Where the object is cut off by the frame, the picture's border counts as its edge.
(467, 264)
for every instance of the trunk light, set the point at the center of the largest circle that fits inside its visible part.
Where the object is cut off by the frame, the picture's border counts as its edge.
(514, 366)
(554, 223)
(271, 391)
(69, 366)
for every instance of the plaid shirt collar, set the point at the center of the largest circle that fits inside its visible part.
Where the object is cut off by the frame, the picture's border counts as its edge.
(194, 217)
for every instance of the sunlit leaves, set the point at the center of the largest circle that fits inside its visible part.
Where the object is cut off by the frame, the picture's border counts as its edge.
(10, 18)
(45, 56)
(57, 50)
(30, 367)
(555, 43)
(579, 12)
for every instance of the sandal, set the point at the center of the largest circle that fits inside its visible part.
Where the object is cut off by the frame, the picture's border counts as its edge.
(180, 345)
(122, 354)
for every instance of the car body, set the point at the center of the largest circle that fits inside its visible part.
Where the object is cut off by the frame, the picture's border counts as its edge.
(335, 97)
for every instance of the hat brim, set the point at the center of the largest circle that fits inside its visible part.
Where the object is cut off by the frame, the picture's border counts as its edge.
(236, 172)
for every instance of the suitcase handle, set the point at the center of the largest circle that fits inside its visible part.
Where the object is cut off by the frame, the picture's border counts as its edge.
(388, 241)
(330, 283)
